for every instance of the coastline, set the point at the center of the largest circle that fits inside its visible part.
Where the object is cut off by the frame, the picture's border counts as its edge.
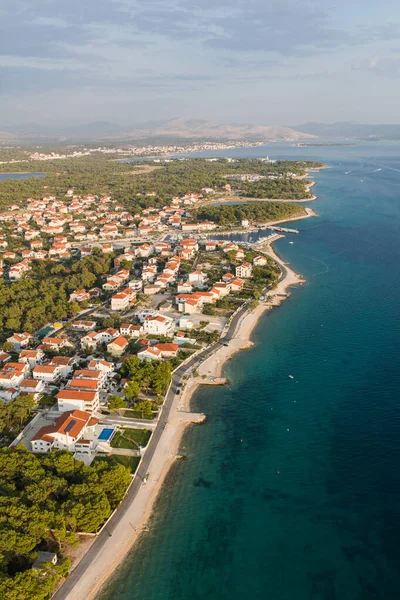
(131, 526)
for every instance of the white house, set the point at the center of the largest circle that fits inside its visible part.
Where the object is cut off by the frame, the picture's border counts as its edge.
(47, 373)
(67, 430)
(130, 331)
(19, 340)
(31, 386)
(75, 399)
(259, 261)
(244, 270)
(118, 346)
(158, 325)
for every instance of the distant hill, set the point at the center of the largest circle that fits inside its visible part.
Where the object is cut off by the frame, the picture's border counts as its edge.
(351, 130)
(208, 130)
(162, 131)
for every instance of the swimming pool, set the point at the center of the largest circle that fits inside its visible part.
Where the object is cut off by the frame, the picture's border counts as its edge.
(106, 434)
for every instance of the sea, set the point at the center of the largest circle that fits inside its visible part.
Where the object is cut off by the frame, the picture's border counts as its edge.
(291, 487)
(4, 176)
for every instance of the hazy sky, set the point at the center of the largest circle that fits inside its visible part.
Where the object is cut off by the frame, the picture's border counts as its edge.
(249, 61)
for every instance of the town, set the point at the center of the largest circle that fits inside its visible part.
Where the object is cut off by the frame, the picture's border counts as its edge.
(106, 315)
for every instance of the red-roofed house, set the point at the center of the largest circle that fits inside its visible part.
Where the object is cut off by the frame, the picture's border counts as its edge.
(64, 433)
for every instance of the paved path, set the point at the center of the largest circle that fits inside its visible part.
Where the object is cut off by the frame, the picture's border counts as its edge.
(67, 589)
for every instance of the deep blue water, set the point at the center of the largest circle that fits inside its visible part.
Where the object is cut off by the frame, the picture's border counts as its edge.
(291, 490)
(20, 175)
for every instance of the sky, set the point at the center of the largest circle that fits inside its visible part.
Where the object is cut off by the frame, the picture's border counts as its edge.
(271, 62)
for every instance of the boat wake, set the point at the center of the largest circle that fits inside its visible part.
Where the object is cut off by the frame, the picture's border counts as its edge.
(326, 270)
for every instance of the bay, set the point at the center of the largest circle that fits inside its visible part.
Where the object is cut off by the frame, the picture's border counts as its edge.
(291, 490)
(4, 176)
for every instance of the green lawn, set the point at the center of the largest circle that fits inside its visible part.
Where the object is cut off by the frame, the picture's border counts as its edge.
(134, 414)
(131, 462)
(131, 439)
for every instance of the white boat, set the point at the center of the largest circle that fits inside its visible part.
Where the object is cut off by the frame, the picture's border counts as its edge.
(291, 242)
(291, 377)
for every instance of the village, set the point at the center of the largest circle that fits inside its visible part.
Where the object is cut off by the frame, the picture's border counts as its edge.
(96, 377)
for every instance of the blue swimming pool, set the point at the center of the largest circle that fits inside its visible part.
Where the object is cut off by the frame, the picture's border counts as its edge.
(106, 434)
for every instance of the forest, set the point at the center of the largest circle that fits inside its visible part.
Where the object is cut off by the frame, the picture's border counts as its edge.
(44, 501)
(228, 214)
(100, 175)
(42, 297)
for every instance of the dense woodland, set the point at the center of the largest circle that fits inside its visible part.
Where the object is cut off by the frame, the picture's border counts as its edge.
(42, 297)
(228, 214)
(100, 175)
(44, 501)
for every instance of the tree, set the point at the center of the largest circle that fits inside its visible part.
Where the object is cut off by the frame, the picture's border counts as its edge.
(145, 408)
(116, 402)
(7, 346)
(132, 390)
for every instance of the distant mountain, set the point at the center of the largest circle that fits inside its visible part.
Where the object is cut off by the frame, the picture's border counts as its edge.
(351, 130)
(162, 131)
(198, 129)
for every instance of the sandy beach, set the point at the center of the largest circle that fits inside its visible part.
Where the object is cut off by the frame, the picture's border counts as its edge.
(132, 524)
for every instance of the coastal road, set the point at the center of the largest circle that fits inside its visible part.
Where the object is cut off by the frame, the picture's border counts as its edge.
(126, 504)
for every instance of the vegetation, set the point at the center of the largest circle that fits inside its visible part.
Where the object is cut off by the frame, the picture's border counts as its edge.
(100, 175)
(229, 215)
(44, 501)
(152, 377)
(14, 415)
(130, 462)
(131, 438)
(42, 297)
(116, 402)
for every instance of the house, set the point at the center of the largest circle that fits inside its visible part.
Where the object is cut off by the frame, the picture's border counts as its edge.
(122, 300)
(101, 365)
(64, 363)
(118, 346)
(149, 353)
(19, 340)
(75, 399)
(190, 306)
(55, 343)
(65, 432)
(198, 279)
(47, 373)
(185, 323)
(31, 386)
(244, 222)
(83, 325)
(210, 246)
(94, 338)
(158, 325)
(33, 357)
(10, 378)
(185, 287)
(236, 285)
(167, 350)
(130, 331)
(259, 261)
(44, 557)
(244, 270)
(79, 296)
(90, 374)
(9, 394)
(223, 288)
(83, 384)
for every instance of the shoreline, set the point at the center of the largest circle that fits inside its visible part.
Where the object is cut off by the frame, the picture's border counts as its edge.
(128, 531)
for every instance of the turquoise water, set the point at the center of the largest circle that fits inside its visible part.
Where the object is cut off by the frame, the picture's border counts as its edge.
(291, 490)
